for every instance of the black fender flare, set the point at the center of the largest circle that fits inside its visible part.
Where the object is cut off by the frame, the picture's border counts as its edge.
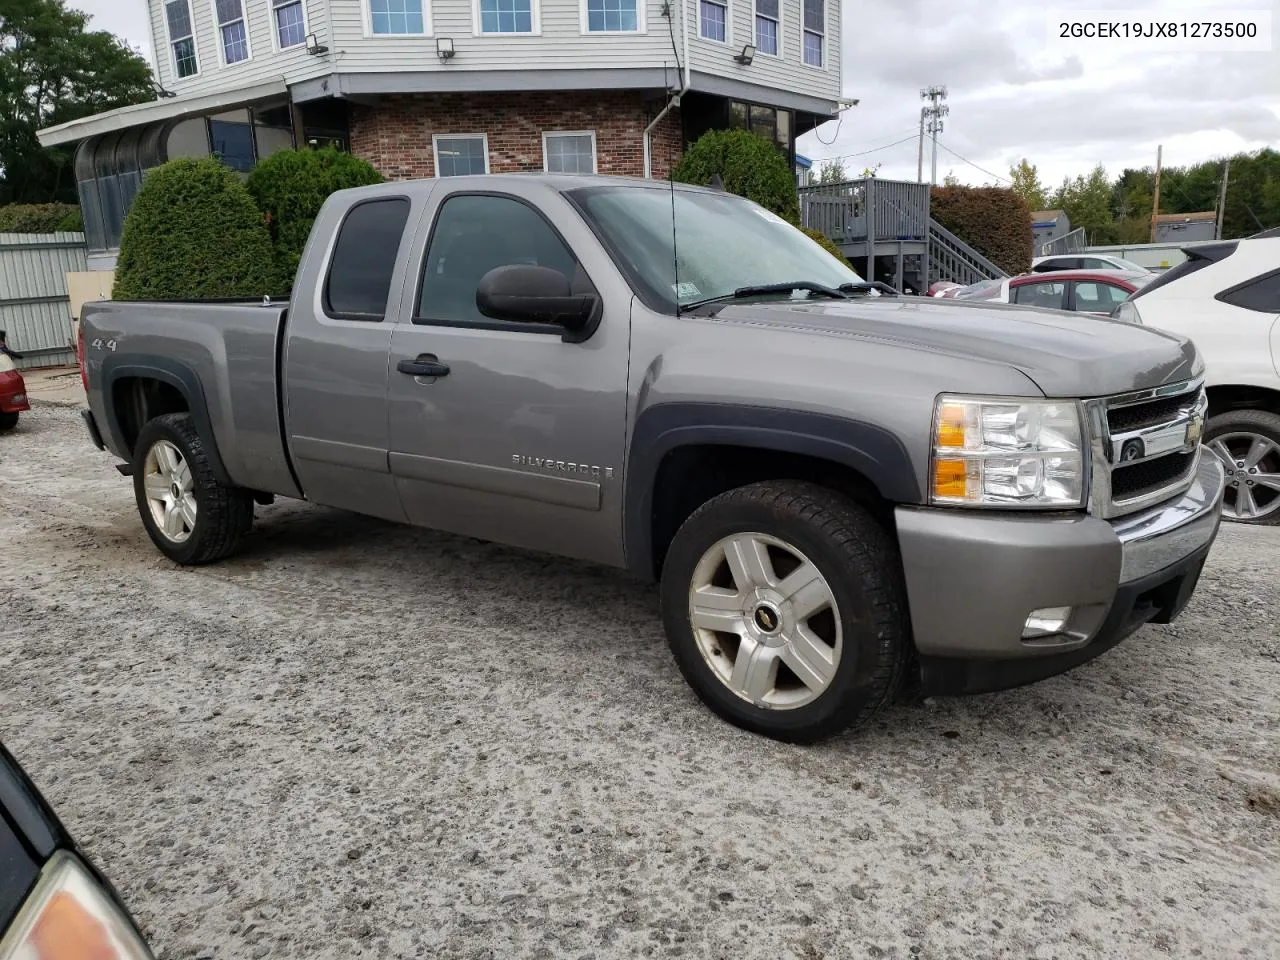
(872, 451)
(176, 374)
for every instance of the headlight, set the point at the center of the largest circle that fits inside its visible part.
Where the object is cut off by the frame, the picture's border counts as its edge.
(68, 917)
(1007, 453)
(1126, 312)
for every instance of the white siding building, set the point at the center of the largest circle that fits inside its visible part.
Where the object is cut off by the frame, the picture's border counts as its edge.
(426, 88)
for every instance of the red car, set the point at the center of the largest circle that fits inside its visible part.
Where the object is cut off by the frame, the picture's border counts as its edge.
(1080, 291)
(13, 393)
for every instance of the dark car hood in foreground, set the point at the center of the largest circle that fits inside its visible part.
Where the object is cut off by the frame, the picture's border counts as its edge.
(1065, 354)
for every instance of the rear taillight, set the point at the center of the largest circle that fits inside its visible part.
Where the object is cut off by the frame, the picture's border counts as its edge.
(84, 372)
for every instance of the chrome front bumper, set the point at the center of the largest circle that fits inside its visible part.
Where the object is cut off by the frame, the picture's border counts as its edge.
(1163, 535)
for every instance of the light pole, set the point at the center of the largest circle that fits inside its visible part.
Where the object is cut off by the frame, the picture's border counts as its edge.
(935, 111)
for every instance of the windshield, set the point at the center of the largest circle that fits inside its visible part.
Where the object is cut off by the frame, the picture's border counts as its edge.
(723, 242)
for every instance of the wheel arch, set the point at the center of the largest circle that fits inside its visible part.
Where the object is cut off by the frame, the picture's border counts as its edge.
(1227, 397)
(137, 389)
(682, 454)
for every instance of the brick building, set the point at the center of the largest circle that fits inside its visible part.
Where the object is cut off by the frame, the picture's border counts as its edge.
(425, 88)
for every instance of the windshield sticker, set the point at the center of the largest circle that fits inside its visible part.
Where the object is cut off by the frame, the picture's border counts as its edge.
(685, 290)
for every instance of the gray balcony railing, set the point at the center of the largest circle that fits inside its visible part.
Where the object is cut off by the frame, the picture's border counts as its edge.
(867, 209)
(1073, 242)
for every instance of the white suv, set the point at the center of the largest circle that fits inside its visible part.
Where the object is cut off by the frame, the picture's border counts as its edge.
(1226, 298)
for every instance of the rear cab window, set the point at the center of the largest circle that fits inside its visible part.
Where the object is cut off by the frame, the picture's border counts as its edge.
(364, 260)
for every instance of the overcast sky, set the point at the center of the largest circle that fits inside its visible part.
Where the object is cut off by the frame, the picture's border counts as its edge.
(1011, 95)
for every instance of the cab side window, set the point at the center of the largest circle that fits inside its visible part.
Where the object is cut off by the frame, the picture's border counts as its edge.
(364, 260)
(476, 233)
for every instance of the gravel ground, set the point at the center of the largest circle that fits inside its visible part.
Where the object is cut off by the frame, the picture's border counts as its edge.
(360, 740)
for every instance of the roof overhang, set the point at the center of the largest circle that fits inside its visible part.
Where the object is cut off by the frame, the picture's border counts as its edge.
(159, 110)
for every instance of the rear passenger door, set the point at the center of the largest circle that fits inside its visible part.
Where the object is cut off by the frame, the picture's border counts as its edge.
(335, 362)
(1096, 296)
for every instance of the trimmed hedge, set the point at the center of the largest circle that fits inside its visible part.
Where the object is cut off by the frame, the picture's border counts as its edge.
(38, 217)
(291, 186)
(749, 165)
(194, 233)
(994, 221)
(825, 242)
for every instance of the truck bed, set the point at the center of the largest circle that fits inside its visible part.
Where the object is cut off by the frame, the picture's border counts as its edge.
(224, 356)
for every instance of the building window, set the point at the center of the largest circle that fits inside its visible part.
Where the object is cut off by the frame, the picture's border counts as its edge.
(291, 23)
(233, 32)
(569, 152)
(506, 16)
(461, 156)
(181, 38)
(398, 17)
(767, 27)
(232, 143)
(772, 124)
(713, 19)
(613, 16)
(815, 31)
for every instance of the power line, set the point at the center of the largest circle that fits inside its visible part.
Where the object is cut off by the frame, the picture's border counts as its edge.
(863, 153)
(974, 165)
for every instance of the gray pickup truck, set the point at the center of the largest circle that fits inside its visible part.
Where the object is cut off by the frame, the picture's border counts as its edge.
(839, 490)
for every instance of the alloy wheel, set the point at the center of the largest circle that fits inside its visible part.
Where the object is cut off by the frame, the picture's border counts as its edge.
(170, 491)
(1252, 463)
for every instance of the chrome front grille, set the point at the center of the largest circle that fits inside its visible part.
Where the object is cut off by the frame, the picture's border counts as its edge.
(1145, 446)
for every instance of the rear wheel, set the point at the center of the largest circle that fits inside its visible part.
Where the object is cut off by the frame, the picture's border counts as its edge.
(1248, 444)
(8, 421)
(784, 609)
(191, 517)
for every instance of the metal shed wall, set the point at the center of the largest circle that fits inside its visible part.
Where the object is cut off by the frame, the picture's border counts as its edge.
(33, 294)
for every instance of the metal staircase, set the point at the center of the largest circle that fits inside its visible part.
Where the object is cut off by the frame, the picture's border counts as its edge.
(950, 258)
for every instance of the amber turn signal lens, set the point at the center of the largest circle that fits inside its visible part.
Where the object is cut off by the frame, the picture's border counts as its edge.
(951, 427)
(951, 478)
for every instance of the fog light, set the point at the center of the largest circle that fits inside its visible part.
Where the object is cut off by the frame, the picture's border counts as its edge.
(1045, 622)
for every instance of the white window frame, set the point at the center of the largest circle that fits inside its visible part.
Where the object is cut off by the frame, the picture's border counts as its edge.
(535, 10)
(728, 23)
(585, 25)
(826, 30)
(274, 24)
(755, 36)
(548, 134)
(427, 29)
(217, 29)
(195, 43)
(435, 147)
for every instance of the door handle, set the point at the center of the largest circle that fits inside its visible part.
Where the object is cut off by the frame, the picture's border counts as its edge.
(425, 365)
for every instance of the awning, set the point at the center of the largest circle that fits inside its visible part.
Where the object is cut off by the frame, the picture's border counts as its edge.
(156, 110)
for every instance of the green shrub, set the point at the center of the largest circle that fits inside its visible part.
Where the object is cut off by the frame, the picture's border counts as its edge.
(749, 165)
(73, 222)
(993, 220)
(194, 233)
(825, 242)
(35, 217)
(291, 186)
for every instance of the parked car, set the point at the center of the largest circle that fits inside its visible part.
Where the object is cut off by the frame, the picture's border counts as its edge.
(1085, 261)
(1079, 291)
(13, 393)
(944, 288)
(1226, 296)
(54, 904)
(832, 485)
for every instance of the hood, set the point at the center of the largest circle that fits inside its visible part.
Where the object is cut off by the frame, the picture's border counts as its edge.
(1065, 354)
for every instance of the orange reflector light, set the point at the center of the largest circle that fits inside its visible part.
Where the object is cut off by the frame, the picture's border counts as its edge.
(951, 478)
(951, 426)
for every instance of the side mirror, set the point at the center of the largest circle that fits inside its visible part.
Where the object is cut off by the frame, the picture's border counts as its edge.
(525, 294)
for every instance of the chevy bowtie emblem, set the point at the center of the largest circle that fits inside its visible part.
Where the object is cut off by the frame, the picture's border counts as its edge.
(1195, 431)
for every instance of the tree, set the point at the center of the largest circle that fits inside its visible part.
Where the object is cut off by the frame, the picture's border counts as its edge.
(833, 172)
(194, 233)
(951, 180)
(1087, 203)
(749, 166)
(995, 221)
(291, 186)
(1026, 184)
(53, 70)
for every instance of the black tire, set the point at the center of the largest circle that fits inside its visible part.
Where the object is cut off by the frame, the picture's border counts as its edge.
(860, 562)
(223, 514)
(8, 421)
(1258, 423)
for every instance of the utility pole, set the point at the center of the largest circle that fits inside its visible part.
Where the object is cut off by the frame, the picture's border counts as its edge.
(1155, 201)
(1222, 199)
(920, 152)
(936, 110)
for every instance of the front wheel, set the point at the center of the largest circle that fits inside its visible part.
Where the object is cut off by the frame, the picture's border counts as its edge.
(785, 610)
(191, 517)
(1248, 444)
